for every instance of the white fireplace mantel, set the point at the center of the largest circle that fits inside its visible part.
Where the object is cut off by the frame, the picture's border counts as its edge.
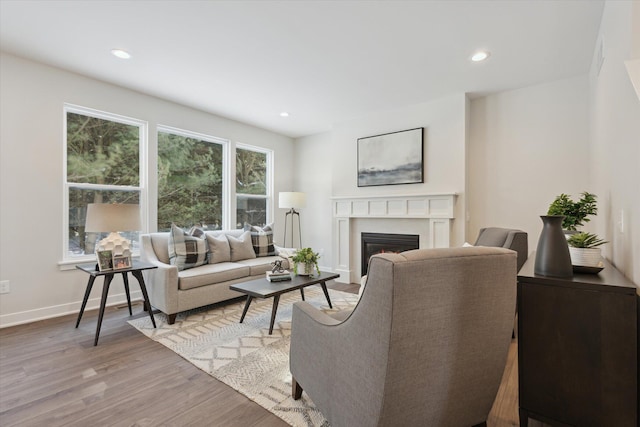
(437, 211)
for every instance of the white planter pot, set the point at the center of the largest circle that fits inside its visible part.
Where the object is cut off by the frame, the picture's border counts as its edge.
(304, 269)
(587, 257)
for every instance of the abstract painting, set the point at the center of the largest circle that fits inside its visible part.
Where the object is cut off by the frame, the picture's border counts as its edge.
(391, 158)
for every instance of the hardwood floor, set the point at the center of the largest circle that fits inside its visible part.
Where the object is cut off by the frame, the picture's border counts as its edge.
(52, 375)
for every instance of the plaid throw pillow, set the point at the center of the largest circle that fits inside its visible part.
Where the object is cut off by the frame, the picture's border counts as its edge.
(186, 251)
(261, 239)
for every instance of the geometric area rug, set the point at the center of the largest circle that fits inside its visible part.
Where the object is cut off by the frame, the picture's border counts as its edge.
(243, 355)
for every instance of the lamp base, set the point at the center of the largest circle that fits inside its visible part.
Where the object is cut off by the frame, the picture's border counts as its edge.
(115, 243)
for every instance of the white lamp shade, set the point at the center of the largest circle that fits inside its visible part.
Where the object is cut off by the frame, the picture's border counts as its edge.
(292, 199)
(103, 217)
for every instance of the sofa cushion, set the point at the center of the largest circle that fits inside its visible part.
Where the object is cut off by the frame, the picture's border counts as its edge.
(261, 239)
(262, 264)
(241, 247)
(219, 249)
(186, 251)
(211, 273)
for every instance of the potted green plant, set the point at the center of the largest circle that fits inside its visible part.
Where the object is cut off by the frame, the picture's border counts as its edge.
(575, 213)
(584, 249)
(305, 262)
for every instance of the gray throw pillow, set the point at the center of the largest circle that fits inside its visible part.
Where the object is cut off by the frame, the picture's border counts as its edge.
(219, 248)
(241, 247)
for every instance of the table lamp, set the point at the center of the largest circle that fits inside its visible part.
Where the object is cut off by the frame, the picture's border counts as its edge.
(292, 200)
(113, 218)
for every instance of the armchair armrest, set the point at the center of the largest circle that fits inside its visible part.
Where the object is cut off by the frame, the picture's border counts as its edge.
(302, 309)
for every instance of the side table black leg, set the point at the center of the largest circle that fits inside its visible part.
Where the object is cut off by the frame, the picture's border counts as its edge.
(326, 293)
(86, 298)
(125, 278)
(138, 275)
(103, 303)
(274, 309)
(246, 307)
(302, 293)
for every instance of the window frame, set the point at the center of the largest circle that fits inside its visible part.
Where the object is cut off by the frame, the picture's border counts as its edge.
(268, 196)
(226, 173)
(69, 261)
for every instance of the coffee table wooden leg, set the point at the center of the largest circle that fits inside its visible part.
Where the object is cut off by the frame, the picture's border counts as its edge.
(246, 307)
(326, 293)
(302, 293)
(276, 299)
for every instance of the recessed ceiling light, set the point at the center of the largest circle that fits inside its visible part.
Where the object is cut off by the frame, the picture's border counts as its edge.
(480, 56)
(122, 54)
(284, 114)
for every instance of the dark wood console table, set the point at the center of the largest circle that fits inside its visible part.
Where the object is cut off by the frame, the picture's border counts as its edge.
(136, 270)
(578, 348)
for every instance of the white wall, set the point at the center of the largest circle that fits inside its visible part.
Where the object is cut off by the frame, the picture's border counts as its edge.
(326, 164)
(31, 180)
(314, 158)
(615, 137)
(444, 152)
(526, 147)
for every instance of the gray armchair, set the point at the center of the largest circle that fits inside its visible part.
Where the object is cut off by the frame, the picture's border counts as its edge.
(509, 238)
(425, 346)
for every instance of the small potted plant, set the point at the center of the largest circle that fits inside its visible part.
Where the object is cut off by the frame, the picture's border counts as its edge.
(305, 262)
(584, 249)
(575, 213)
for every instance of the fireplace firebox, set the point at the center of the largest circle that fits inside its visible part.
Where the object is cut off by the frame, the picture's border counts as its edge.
(375, 243)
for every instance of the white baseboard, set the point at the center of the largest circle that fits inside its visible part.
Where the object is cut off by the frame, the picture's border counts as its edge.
(22, 317)
(345, 275)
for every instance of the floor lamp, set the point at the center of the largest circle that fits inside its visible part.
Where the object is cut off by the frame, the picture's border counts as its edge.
(291, 201)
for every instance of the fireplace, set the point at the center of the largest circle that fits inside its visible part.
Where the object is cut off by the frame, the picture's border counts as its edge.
(375, 243)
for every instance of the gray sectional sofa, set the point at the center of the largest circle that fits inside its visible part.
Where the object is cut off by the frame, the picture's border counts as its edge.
(173, 288)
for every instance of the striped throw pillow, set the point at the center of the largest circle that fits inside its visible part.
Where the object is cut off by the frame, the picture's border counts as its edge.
(186, 251)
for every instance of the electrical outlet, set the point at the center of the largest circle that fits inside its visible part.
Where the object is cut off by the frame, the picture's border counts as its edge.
(5, 287)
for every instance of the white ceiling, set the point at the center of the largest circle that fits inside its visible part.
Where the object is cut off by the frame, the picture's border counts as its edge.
(322, 61)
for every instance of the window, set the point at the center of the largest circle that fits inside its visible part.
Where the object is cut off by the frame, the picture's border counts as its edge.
(103, 165)
(253, 185)
(190, 179)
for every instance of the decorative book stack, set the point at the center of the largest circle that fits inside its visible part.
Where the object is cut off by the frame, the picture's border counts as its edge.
(278, 276)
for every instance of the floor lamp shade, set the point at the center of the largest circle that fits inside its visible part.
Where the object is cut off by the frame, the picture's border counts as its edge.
(292, 200)
(104, 217)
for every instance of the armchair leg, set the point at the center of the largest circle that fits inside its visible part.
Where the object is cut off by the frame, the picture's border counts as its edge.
(296, 390)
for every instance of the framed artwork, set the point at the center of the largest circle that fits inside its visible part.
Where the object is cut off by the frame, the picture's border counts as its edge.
(121, 261)
(391, 158)
(105, 260)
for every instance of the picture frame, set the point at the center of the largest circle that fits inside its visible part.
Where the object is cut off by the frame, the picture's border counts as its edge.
(121, 262)
(105, 260)
(391, 158)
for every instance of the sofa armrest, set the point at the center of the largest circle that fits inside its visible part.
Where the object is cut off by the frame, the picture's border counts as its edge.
(162, 282)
